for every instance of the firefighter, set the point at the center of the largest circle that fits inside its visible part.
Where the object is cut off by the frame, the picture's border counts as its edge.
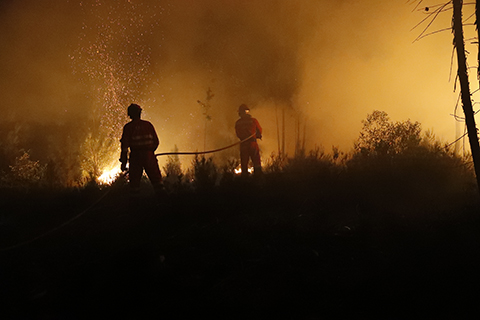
(245, 127)
(140, 138)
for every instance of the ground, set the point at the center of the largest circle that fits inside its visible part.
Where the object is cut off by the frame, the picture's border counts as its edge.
(247, 250)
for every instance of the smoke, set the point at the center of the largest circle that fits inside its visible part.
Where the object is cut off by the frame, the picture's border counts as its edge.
(325, 63)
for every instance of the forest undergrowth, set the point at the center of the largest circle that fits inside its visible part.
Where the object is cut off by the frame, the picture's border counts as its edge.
(390, 229)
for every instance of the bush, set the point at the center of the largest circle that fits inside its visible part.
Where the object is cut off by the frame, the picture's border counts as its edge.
(205, 172)
(173, 173)
(228, 170)
(393, 164)
(380, 137)
(317, 162)
(275, 163)
(24, 173)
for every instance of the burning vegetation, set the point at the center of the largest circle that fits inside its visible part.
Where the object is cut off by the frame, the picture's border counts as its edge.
(396, 215)
(305, 239)
(394, 154)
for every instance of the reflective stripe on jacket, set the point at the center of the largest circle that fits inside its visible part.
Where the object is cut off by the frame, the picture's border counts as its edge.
(139, 135)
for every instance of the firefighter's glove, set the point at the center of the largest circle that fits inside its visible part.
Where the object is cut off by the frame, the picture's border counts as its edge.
(258, 134)
(123, 159)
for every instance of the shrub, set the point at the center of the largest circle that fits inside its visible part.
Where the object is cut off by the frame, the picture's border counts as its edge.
(96, 151)
(228, 170)
(393, 163)
(24, 173)
(316, 160)
(275, 163)
(173, 173)
(205, 172)
(380, 137)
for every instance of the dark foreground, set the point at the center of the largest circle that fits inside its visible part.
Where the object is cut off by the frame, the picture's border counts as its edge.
(240, 252)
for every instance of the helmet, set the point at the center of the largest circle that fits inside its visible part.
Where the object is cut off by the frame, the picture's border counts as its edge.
(243, 109)
(134, 110)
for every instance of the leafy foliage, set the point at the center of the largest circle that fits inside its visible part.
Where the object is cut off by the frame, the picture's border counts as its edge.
(392, 163)
(395, 164)
(96, 152)
(228, 170)
(206, 105)
(24, 173)
(275, 163)
(379, 136)
(173, 173)
(205, 172)
(316, 161)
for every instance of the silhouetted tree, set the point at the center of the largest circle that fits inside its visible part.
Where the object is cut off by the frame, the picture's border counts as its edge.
(379, 136)
(173, 172)
(465, 86)
(206, 108)
(205, 172)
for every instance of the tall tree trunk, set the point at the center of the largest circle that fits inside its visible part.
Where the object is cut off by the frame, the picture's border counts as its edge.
(465, 87)
(477, 16)
(278, 131)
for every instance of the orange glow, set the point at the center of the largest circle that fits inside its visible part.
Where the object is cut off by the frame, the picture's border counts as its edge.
(326, 63)
(109, 176)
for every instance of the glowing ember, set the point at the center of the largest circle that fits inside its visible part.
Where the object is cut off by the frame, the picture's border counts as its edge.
(109, 176)
(113, 58)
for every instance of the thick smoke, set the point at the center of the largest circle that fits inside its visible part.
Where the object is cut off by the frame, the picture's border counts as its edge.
(324, 64)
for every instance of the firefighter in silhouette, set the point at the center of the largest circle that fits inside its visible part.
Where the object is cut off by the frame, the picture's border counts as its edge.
(139, 137)
(246, 127)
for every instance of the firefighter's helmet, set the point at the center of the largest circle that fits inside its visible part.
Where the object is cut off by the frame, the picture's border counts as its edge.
(134, 110)
(243, 109)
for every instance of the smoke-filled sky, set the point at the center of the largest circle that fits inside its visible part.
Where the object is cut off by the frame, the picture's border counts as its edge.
(328, 63)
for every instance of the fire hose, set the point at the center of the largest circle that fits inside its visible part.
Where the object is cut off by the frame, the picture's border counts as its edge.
(202, 152)
(20, 244)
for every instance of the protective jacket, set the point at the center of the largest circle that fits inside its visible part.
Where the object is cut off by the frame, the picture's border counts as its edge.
(245, 127)
(139, 134)
(140, 137)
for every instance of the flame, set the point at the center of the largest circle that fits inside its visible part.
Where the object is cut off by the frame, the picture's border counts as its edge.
(109, 176)
(238, 170)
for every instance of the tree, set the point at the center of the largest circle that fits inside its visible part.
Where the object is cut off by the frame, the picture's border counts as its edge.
(465, 87)
(380, 137)
(173, 172)
(205, 172)
(206, 108)
(462, 71)
(24, 173)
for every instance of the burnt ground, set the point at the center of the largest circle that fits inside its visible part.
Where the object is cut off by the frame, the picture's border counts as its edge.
(242, 251)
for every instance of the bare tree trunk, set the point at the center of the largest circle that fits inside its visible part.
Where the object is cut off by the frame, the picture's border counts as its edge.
(465, 87)
(477, 15)
(278, 131)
